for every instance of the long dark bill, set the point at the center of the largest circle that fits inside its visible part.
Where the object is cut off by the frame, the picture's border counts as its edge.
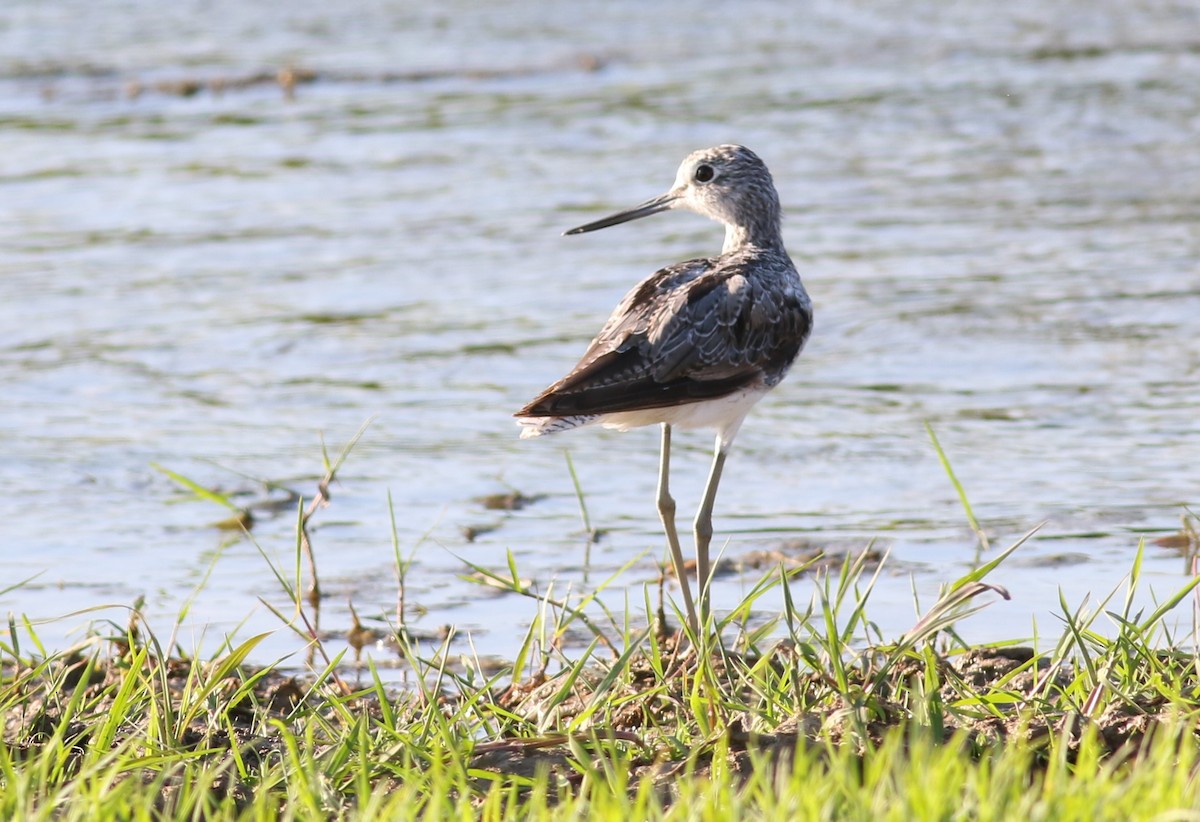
(661, 203)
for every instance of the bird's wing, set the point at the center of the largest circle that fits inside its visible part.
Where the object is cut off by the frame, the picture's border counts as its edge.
(690, 332)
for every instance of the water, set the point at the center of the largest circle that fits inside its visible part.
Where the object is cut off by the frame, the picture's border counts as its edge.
(995, 209)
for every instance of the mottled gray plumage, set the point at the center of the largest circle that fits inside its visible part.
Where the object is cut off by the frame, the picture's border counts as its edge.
(697, 343)
(694, 331)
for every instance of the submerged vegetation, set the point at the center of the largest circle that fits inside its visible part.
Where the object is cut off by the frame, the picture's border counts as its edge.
(814, 714)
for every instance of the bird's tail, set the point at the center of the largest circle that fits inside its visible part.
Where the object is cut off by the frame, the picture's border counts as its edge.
(537, 426)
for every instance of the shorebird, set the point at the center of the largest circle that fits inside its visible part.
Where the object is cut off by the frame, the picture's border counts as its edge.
(696, 344)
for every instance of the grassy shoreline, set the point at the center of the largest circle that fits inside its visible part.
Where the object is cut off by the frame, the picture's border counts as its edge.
(814, 715)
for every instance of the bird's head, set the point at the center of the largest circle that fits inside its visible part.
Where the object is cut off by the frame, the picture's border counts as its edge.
(727, 183)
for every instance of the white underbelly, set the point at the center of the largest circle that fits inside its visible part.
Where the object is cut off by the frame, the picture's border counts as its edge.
(725, 414)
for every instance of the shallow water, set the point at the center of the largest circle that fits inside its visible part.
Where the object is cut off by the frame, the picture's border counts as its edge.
(996, 210)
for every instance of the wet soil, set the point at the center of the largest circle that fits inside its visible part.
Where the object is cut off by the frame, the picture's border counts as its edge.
(654, 699)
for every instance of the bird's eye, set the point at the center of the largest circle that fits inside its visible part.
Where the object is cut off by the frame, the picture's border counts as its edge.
(704, 173)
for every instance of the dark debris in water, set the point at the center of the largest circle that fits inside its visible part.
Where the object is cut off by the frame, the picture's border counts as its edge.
(794, 555)
(472, 532)
(812, 556)
(289, 78)
(1053, 560)
(1186, 541)
(241, 521)
(510, 501)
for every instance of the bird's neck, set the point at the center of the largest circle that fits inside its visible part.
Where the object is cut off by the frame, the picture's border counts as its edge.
(765, 235)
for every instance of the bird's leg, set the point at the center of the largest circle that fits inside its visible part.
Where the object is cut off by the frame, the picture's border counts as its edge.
(704, 528)
(666, 511)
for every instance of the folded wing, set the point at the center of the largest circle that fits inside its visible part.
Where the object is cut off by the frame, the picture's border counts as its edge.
(688, 333)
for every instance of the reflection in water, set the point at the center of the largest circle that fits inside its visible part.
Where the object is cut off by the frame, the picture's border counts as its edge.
(995, 213)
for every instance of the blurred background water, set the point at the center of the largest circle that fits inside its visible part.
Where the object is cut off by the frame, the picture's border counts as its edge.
(230, 229)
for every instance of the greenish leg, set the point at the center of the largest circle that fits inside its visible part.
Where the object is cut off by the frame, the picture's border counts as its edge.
(666, 511)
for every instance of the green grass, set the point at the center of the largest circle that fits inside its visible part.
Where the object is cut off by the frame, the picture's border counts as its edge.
(814, 715)
(818, 725)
